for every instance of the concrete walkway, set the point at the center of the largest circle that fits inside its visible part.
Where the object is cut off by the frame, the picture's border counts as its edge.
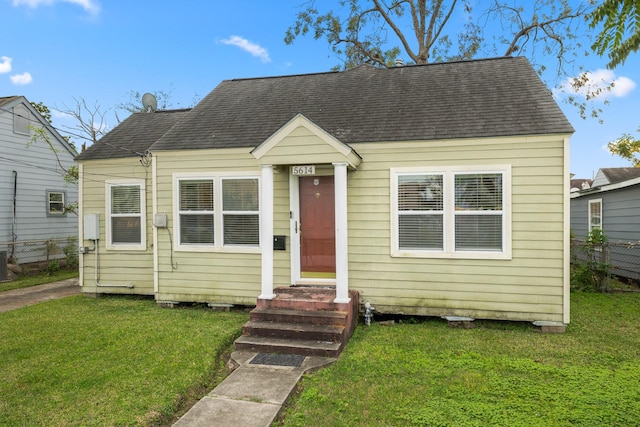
(253, 395)
(17, 298)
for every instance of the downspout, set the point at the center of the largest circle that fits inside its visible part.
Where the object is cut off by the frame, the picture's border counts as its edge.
(13, 219)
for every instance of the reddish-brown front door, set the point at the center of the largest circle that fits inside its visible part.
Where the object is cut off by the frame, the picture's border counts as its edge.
(317, 227)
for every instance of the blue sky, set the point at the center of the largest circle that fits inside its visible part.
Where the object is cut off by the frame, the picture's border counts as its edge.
(56, 50)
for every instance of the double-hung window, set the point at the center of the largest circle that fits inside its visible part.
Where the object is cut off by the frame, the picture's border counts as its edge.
(56, 203)
(217, 212)
(126, 213)
(455, 212)
(595, 214)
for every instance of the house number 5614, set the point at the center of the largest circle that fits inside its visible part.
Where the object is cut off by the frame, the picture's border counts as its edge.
(304, 170)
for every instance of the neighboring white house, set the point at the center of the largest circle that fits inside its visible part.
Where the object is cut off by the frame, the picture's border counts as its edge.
(33, 193)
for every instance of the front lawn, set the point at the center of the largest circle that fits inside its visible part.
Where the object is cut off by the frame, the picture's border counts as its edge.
(109, 361)
(499, 374)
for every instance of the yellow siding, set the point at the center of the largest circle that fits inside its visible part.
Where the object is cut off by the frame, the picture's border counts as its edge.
(116, 267)
(527, 287)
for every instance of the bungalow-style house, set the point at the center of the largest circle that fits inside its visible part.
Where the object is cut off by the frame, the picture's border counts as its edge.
(612, 204)
(33, 192)
(436, 190)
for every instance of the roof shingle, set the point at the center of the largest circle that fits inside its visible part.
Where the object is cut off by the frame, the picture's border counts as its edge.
(466, 99)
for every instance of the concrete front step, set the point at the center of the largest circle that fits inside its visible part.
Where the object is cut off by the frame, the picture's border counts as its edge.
(285, 315)
(288, 346)
(295, 331)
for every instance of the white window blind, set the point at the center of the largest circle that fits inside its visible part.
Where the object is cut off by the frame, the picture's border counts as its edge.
(196, 212)
(240, 211)
(420, 211)
(125, 214)
(451, 212)
(478, 212)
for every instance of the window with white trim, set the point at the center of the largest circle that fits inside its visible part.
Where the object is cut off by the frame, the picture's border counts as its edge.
(217, 211)
(240, 212)
(454, 212)
(126, 215)
(56, 203)
(595, 214)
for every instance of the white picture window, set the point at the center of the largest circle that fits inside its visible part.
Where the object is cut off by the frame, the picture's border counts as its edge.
(451, 212)
(217, 212)
(56, 202)
(595, 214)
(126, 215)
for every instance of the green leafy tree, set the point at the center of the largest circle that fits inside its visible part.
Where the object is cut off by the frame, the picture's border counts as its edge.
(378, 31)
(43, 110)
(620, 34)
(618, 38)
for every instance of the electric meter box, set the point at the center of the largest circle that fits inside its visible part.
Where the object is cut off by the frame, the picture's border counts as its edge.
(91, 227)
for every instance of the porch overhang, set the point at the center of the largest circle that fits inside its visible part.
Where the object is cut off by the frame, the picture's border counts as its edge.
(301, 141)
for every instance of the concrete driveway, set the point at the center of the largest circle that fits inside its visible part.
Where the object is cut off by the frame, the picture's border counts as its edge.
(17, 298)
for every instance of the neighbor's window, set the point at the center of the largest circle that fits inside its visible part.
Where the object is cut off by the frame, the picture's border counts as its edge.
(452, 212)
(56, 203)
(21, 116)
(217, 211)
(126, 215)
(595, 214)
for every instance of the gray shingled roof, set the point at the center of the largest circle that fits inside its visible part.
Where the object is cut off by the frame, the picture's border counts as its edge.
(615, 175)
(134, 135)
(7, 99)
(480, 98)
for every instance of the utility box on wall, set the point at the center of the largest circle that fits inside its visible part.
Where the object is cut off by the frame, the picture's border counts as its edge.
(279, 243)
(91, 227)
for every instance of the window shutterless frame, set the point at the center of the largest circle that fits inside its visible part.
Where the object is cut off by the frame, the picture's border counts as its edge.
(216, 212)
(125, 215)
(451, 212)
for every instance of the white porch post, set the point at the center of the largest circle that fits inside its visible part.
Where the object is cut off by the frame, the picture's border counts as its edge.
(342, 243)
(266, 231)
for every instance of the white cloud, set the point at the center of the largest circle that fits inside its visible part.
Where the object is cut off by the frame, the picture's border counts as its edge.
(90, 6)
(21, 79)
(5, 64)
(244, 44)
(600, 84)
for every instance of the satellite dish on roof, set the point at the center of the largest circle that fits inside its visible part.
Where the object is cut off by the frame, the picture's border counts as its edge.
(149, 103)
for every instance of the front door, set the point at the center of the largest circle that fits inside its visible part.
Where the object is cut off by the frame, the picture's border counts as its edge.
(317, 227)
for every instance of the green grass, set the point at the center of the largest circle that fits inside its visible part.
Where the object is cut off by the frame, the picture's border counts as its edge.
(499, 374)
(109, 361)
(38, 279)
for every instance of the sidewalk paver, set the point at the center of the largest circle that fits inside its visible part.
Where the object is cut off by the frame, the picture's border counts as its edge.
(252, 396)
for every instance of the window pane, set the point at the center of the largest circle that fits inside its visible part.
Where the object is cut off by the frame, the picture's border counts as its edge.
(420, 192)
(196, 195)
(196, 229)
(125, 230)
(125, 199)
(478, 232)
(595, 214)
(241, 230)
(420, 231)
(478, 192)
(56, 203)
(240, 195)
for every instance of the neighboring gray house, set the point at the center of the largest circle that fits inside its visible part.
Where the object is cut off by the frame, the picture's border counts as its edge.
(33, 193)
(612, 203)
